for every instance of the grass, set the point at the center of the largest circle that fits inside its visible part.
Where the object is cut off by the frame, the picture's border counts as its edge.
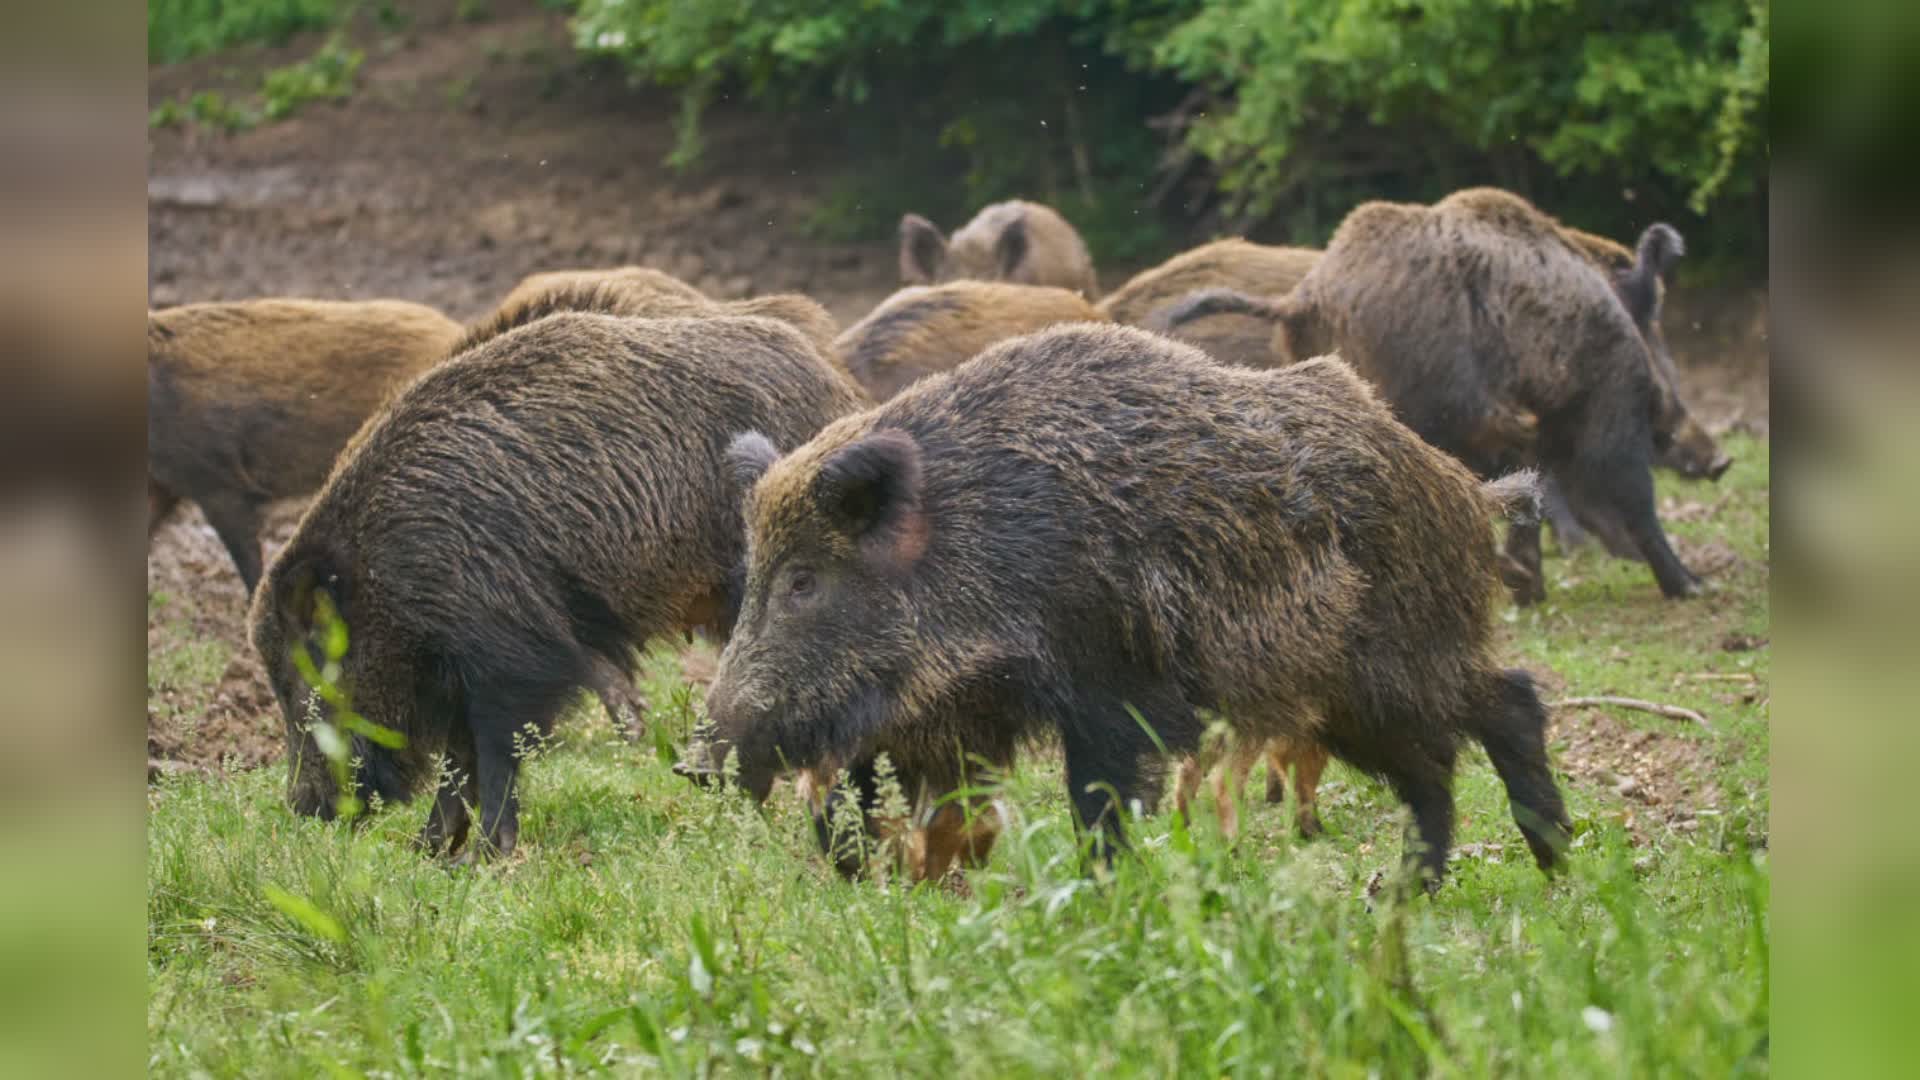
(650, 925)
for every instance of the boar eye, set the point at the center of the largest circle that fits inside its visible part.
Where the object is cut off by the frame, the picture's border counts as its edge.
(801, 583)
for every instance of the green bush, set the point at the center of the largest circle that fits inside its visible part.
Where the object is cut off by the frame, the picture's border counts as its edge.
(1610, 113)
(180, 29)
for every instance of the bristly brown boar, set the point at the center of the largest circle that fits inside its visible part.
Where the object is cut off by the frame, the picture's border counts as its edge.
(921, 330)
(1255, 269)
(514, 522)
(639, 292)
(249, 402)
(1501, 337)
(1092, 527)
(1026, 243)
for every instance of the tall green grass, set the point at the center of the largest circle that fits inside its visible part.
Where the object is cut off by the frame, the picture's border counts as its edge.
(650, 925)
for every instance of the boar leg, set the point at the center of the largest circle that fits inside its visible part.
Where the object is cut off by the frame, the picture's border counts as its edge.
(1309, 760)
(1105, 747)
(849, 852)
(1522, 572)
(236, 519)
(1514, 733)
(500, 718)
(1623, 496)
(626, 707)
(1421, 775)
(451, 817)
(1426, 786)
(1567, 530)
(1277, 750)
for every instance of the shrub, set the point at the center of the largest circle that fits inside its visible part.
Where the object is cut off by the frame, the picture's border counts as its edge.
(1624, 112)
(180, 29)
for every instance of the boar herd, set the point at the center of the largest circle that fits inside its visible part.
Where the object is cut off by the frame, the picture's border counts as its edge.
(1241, 508)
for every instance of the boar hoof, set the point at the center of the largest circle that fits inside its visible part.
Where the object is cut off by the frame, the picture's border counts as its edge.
(700, 775)
(1310, 826)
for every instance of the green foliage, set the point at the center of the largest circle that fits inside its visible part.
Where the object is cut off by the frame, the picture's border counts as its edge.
(327, 75)
(652, 926)
(180, 29)
(919, 93)
(1312, 105)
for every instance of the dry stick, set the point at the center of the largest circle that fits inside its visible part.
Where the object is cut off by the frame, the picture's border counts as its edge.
(1727, 676)
(1671, 712)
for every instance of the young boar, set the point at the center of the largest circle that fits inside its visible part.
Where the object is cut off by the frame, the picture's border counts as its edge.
(1022, 242)
(637, 292)
(1305, 757)
(921, 330)
(513, 524)
(1257, 269)
(249, 402)
(1093, 531)
(1502, 342)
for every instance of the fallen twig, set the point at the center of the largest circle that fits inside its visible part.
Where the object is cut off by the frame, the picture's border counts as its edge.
(1671, 712)
(1728, 676)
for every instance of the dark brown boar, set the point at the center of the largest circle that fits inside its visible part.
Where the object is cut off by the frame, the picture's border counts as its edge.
(512, 525)
(921, 330)
(1023, 242)
(641, 293)
(250, 402)
(1502, 342)
(1257, 269)
(1639, 279)
(1091, 532)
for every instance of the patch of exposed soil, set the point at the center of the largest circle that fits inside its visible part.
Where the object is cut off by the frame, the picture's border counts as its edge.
(1660, 779)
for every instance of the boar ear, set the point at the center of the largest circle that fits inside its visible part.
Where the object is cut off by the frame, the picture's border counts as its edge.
(749, 456)
(871, 488)
(1011, 248)
(306, 584)
(922, 250)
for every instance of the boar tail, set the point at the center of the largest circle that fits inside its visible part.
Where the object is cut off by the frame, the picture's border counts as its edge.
(1515, 496)
(1656, 252)
(1204, 302)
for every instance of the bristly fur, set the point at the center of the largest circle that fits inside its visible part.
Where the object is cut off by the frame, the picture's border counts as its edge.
(249, 402)
(638, 292)
(1091, 528)
(921, 330)
(1506, 339)
(520, 518)
(1231, 337)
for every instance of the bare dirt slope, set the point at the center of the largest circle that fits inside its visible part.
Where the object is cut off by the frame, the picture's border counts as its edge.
(472, 154)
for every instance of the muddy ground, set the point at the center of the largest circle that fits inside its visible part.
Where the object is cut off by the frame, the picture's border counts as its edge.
(472, 154)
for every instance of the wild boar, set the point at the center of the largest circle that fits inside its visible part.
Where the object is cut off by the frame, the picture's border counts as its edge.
(1502, 342)
(249, 403)
(1257, 269)
(921, 330)
(1023, 242)
(1100, 536)
(642, 293)
(510, 527)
